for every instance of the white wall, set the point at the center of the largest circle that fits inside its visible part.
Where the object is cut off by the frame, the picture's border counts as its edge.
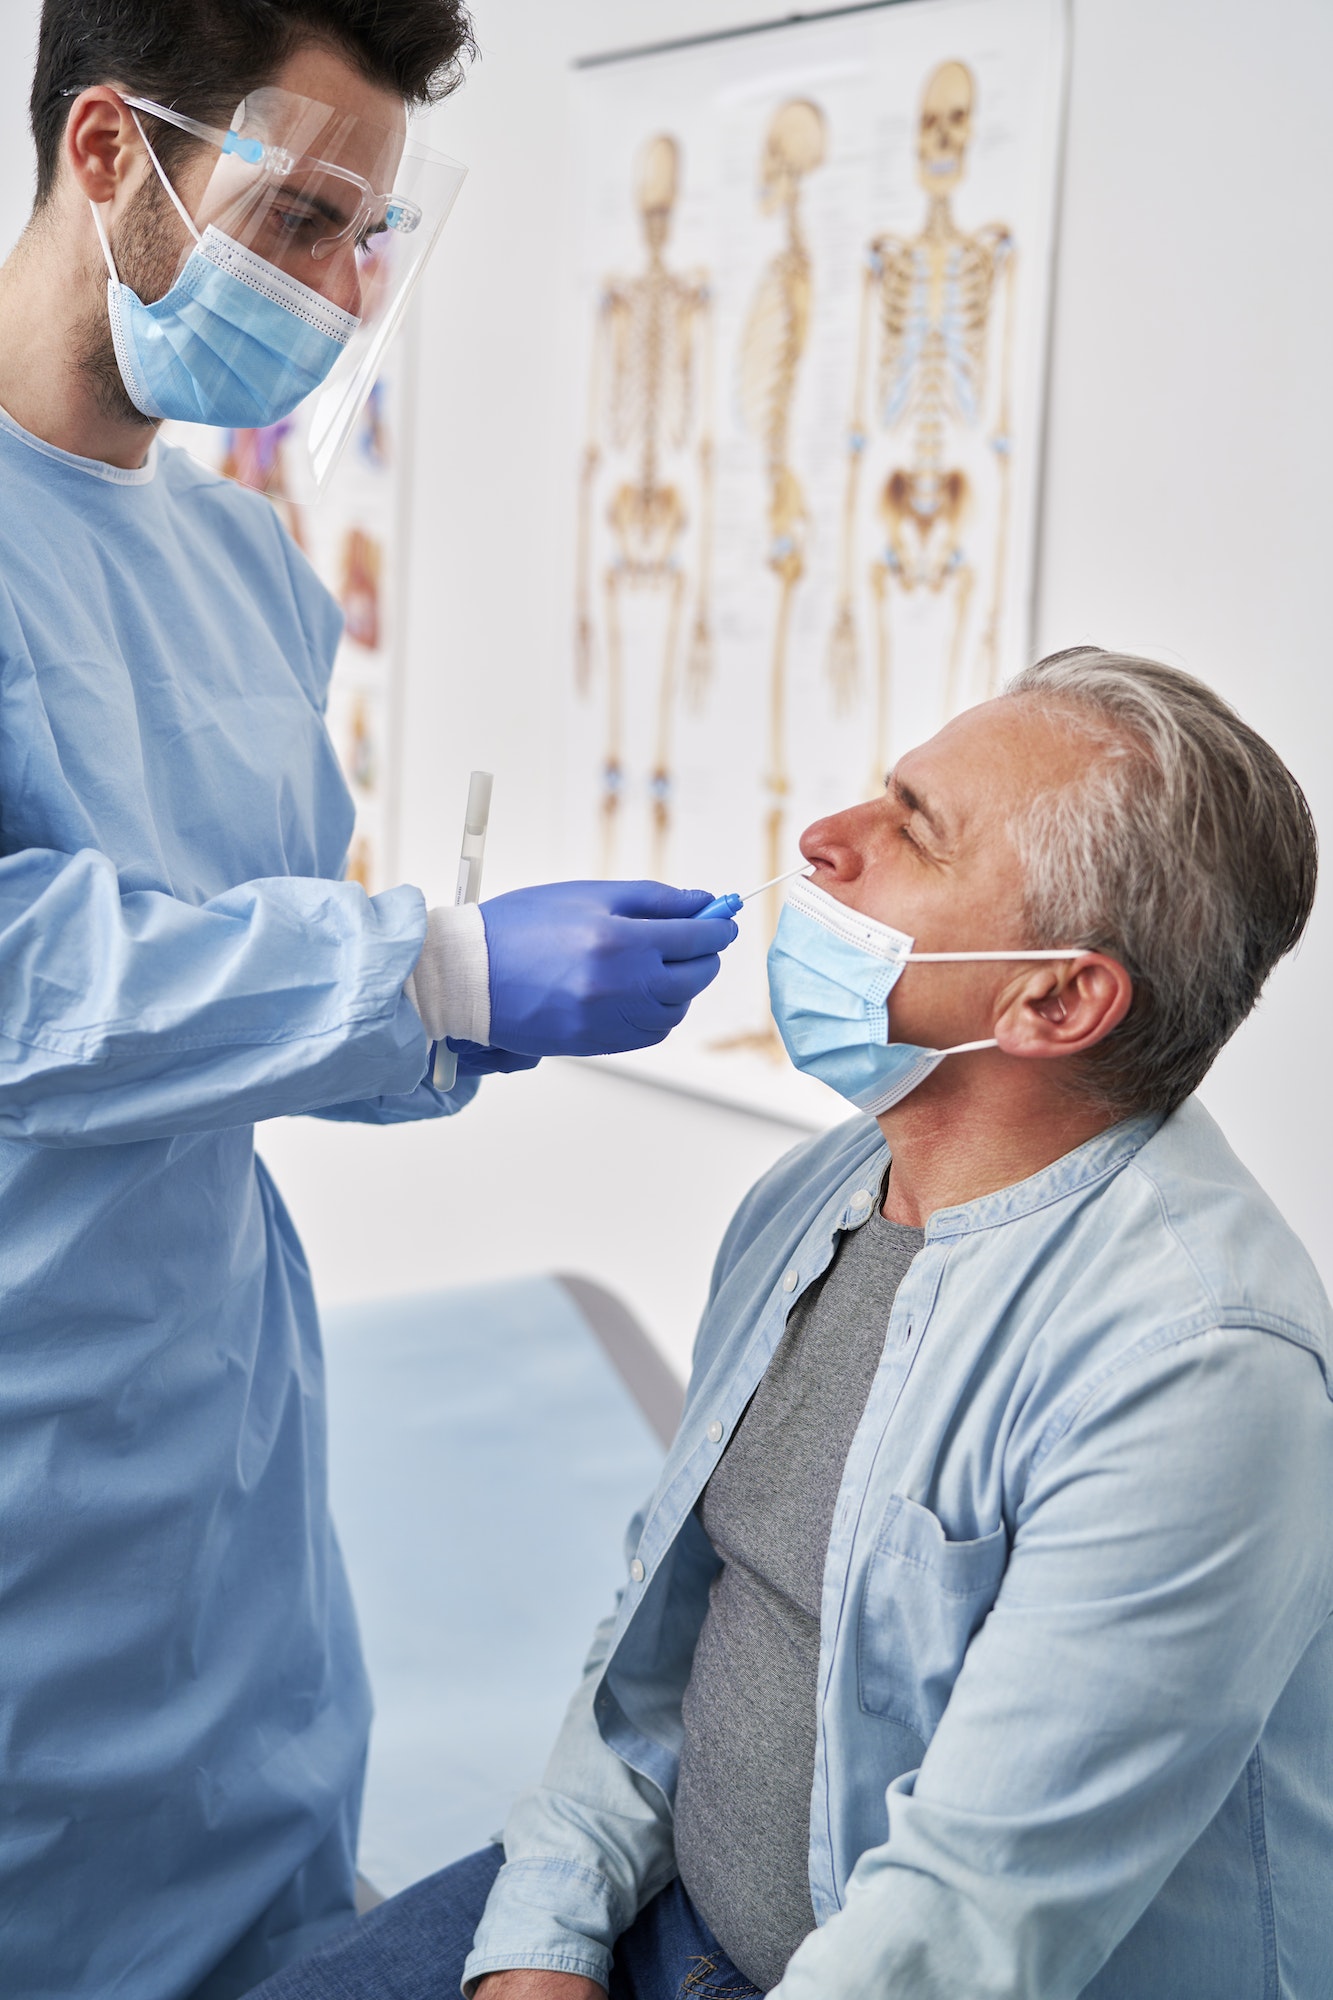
(1187, 514)
(1188, 510)
(18, 41)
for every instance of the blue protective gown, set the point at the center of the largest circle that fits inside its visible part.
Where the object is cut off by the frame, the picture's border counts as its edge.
(183, 1710)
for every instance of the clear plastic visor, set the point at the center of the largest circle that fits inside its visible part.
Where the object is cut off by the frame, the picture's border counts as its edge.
(349, 208)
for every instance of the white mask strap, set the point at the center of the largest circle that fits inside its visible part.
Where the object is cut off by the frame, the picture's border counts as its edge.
(104, 240)
(967, 957)
(959, 957)
(181, 209)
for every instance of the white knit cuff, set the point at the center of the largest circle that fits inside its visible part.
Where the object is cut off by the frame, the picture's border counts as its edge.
(450, 985)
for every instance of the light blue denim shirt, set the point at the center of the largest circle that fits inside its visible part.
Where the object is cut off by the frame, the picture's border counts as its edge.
(1075, 1723)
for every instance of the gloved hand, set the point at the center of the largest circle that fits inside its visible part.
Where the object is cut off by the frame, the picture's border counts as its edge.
(475, 1059)
(595, 968)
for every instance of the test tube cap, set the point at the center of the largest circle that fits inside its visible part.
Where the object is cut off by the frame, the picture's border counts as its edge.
(479, 801)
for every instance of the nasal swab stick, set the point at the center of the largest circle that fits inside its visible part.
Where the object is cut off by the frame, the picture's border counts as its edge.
(468, 890)
(727, 906)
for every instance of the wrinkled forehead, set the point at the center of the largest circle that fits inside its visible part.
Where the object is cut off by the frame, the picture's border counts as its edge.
(993, 764)
(306, 129)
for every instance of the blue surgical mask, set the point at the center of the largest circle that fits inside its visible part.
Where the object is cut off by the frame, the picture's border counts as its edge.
(830, 973)
(236, 342)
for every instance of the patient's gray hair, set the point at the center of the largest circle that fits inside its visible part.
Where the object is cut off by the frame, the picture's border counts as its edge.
(1187, 852)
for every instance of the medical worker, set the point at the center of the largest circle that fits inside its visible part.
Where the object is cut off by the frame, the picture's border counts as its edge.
(183, 1710)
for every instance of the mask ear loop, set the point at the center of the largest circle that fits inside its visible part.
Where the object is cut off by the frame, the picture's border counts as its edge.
(962, 957)
(181, 210)
(967, 957)
(105, 241)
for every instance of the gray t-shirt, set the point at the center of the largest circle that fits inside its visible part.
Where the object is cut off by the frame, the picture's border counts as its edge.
(742, 1815)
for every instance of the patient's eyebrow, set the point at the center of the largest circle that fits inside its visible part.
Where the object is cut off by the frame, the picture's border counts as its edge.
(916, 804)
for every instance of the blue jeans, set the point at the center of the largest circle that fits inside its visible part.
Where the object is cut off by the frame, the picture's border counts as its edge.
(414, 1948)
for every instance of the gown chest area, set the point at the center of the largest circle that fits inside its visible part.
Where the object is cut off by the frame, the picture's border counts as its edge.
(163, 698)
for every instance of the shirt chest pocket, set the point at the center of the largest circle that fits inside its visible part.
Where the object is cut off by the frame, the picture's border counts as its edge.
(923, 1599)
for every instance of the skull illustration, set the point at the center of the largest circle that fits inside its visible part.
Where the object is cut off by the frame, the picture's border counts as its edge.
(656, 187)
(794, 146)
(946, 127)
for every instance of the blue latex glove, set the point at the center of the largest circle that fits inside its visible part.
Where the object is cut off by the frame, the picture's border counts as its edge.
(594, 968)
(475, 1059)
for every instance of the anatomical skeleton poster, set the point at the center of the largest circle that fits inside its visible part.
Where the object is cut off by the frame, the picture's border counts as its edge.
(813, 269)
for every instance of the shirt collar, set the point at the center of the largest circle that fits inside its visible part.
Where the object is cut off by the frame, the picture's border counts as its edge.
(1096, 1159)
(97, 468)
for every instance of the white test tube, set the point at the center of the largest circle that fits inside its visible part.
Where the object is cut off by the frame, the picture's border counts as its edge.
(468, 890)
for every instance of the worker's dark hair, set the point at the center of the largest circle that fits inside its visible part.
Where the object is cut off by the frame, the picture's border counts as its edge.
(203, 56)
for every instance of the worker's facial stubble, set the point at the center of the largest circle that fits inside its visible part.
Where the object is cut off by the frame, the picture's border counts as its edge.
(147, 246)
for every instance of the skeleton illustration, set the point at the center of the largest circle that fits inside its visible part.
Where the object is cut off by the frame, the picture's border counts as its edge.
(650, 397)
(927, 307)
(359, 589)
(772, 346)
(256, 458)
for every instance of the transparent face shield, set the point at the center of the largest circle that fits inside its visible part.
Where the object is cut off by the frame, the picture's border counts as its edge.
(349, 209)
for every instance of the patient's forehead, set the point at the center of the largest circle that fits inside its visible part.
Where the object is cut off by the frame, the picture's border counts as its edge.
(990, 761)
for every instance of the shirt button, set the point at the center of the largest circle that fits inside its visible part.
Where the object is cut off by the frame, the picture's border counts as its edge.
(791, 1280)
(715, 1432)
(861, 1200)
(636, 1570)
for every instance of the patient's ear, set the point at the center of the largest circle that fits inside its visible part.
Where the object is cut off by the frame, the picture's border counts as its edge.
(1064, 1006)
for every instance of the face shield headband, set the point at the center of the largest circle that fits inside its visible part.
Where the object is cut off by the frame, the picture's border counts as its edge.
(830, 973)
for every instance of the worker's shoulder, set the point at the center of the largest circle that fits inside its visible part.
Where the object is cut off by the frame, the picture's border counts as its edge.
(191, 483)
(246, 526)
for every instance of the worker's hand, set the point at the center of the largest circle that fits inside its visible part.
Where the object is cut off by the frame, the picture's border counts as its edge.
(532, 1984)
(475, 1059)
(594, 968)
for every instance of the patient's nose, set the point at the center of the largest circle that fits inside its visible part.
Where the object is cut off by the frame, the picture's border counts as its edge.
(836, 845)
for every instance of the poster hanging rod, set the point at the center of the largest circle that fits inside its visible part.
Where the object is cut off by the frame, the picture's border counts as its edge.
(733, 34)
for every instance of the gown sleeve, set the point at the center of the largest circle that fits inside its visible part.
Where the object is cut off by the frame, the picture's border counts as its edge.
(138, 1016)
(397, 1109)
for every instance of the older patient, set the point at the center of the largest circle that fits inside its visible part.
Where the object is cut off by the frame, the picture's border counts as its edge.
(976, 1640)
